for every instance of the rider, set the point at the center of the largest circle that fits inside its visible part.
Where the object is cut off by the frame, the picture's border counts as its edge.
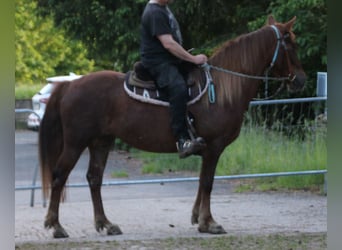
(161, 54)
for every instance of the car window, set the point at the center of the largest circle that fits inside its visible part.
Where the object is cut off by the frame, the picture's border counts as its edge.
(47, 89)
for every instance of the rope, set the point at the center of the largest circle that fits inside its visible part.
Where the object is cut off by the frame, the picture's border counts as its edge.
(211, 89)
(265, 78)
(245, 75)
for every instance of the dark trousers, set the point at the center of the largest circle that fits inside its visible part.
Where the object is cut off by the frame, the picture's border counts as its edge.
(170, 80)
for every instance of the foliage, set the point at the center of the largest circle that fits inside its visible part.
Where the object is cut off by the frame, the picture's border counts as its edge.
(206, 24)
(42, 50)
(26, 91)
(110, 29)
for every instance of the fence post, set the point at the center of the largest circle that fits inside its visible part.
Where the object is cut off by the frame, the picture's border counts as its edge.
(325, 187)
(34, 184)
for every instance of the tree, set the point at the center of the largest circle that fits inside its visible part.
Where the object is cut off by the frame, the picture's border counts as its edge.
(110, 28)
(206, 24)
(42, 50)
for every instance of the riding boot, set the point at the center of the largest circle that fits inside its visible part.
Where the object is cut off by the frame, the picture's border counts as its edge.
(187, 147)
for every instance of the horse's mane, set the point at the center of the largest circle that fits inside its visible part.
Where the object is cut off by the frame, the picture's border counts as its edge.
(245, 54)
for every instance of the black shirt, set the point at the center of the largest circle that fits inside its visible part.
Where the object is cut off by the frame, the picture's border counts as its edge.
(157, 20)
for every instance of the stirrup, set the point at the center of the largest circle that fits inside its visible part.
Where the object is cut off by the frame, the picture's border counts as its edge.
(189, 147)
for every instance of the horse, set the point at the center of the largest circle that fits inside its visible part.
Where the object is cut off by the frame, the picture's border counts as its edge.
(94, 110)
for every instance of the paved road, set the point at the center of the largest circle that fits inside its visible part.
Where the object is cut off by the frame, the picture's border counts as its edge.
(154, 210)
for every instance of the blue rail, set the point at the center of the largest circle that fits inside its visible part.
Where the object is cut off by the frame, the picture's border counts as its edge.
(284, 101)
(184, 179)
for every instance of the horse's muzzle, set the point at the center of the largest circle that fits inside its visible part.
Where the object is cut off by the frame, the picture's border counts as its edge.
(297, 82)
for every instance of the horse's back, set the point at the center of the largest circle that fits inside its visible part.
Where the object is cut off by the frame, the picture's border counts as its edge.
(89, 99)
(99, 84)
(106, 74)
(99, 78)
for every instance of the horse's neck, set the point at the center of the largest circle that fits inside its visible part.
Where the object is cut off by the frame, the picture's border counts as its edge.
(249, 54)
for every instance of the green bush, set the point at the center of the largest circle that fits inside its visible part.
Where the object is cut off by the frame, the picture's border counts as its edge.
(26, 91)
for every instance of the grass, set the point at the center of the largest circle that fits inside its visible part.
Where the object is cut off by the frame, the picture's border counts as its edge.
(223, 242)
(26, 91)
(119, 174)
(163, 163)
(259, 150)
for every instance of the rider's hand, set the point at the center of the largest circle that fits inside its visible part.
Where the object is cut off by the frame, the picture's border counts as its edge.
(200, 59)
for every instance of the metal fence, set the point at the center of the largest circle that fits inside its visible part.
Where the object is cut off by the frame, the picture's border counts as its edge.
(285, 101)
(34, 186)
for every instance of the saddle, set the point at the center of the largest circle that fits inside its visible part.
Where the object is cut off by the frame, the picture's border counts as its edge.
(140, 85)
(140, 77)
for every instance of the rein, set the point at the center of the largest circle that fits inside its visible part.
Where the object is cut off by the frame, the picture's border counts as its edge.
(265, 78)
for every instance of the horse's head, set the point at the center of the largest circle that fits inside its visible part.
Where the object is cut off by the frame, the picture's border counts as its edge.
(286, 61)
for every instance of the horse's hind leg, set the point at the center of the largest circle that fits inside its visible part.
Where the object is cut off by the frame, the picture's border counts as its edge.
(99, 150)
(65, 164)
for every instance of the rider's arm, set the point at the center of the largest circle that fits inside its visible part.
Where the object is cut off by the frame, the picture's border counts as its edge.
(177, 50)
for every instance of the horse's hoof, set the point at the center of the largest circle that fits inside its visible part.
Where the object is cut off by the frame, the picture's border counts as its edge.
(216, 229)
(113, 230)
(60, 233)
(212, 229)
(194, 219)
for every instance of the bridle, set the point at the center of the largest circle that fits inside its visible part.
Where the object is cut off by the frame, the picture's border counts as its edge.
(280, 42)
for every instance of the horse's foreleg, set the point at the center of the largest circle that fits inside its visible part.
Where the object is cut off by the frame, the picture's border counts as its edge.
(201, 212)
(195, 209)
(65, 164)
(98, 157)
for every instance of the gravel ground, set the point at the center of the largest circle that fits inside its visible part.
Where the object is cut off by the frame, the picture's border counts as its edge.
(158, 218)
(149, 215)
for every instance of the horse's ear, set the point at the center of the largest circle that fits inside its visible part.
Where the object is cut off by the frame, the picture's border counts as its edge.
(290, 23)
(271, 20)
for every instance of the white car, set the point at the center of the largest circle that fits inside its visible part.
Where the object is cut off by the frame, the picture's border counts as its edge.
(40, 99)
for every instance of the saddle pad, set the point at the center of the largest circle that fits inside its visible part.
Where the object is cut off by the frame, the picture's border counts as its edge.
(157, 97)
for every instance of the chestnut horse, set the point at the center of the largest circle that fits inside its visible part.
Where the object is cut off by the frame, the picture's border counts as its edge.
(92, 111)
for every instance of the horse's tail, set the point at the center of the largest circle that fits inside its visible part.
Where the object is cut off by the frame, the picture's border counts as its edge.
(51, 137)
